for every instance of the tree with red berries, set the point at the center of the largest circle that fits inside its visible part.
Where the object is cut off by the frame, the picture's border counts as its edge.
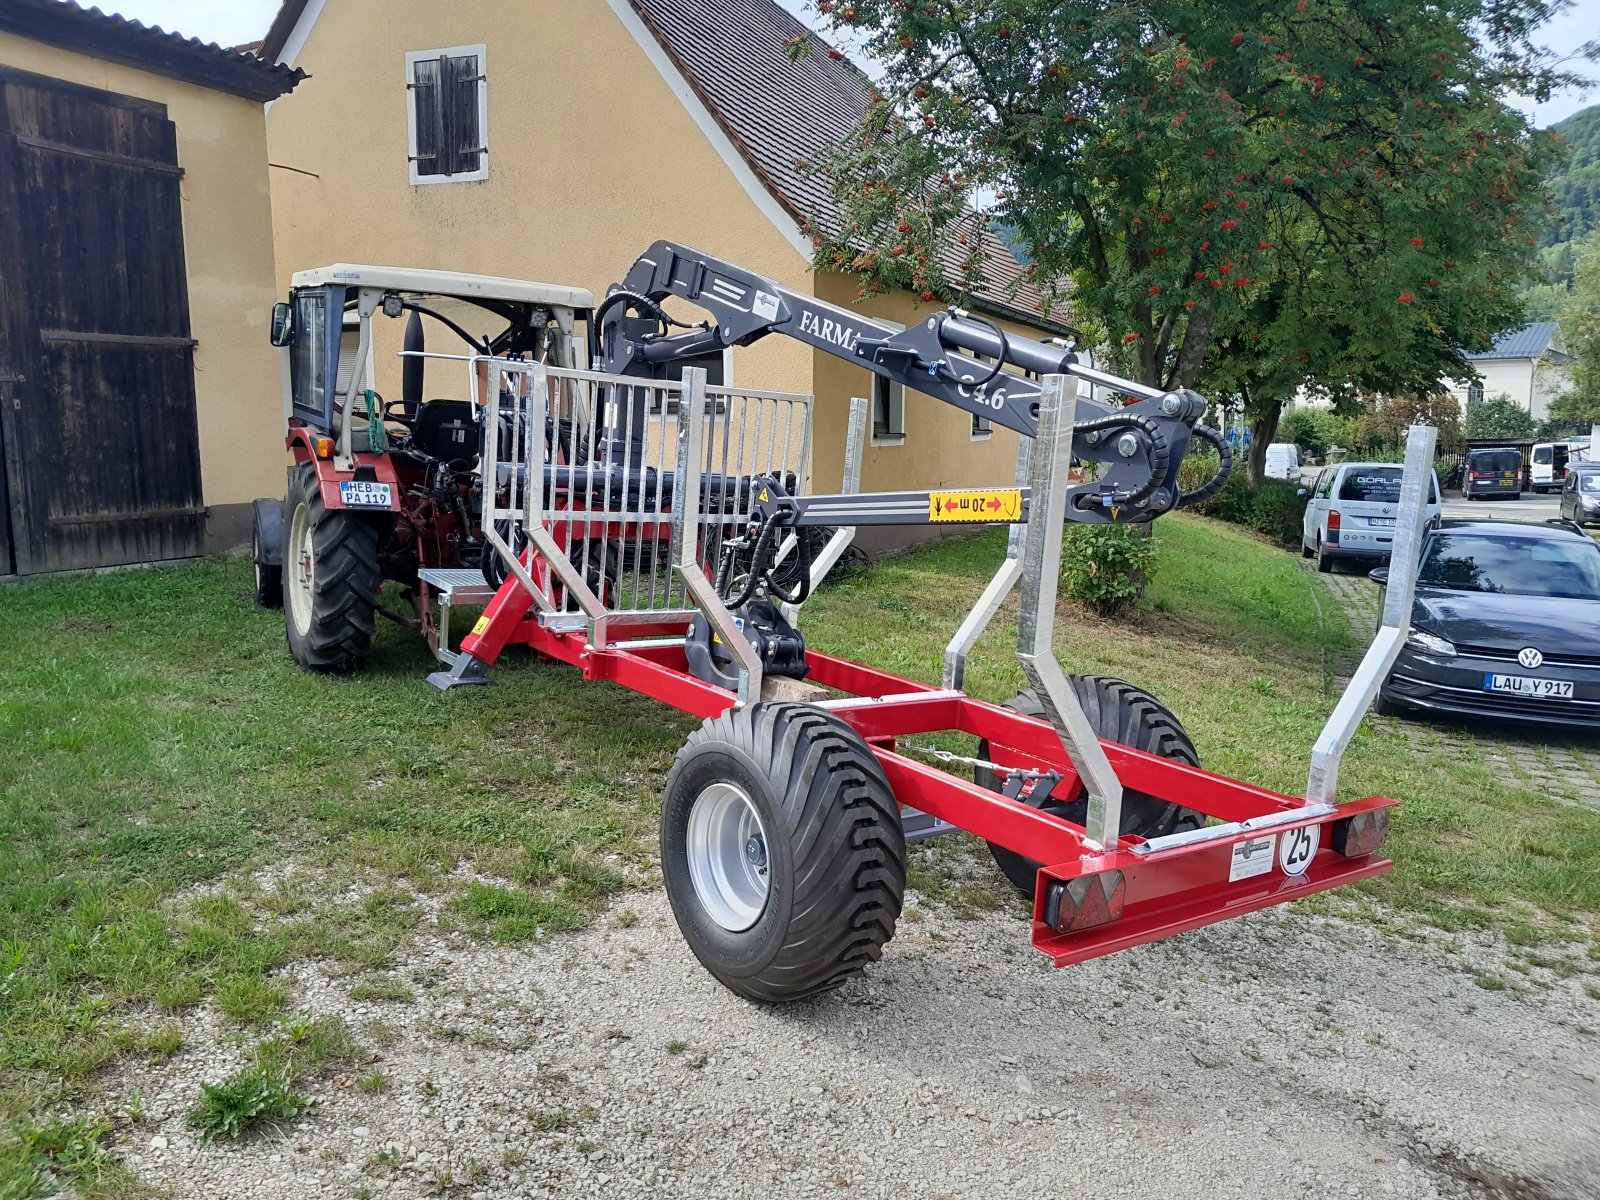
(1321, 195)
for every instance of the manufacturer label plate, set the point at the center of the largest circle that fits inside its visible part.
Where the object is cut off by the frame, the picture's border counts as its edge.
(1251, 857)
(1000, 504)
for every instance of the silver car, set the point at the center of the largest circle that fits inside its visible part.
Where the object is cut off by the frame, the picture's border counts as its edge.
(1580, 494)
(1350, 513)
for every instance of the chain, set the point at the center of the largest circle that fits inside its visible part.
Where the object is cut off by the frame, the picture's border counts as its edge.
(947, 756)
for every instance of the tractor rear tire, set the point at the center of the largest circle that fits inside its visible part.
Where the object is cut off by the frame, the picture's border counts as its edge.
(1122, 713)
(783, 852)
(330, 579)
(266, 542)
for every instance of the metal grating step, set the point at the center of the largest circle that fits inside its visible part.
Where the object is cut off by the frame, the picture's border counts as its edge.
(457, 585)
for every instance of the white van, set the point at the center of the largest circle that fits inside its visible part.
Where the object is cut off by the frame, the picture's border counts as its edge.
(1283, 461)
(1547, 467)
(1351, 510)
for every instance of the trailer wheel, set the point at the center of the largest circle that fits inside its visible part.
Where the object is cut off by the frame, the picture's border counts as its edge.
(781, 844)
(266, 552)
(1119, 713)
(330, 579)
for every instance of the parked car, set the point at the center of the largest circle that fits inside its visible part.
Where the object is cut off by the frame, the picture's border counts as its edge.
(1492, 473)
(1580, 494)
(1283, 461)
(1350, 512)
(1506, 624)
(1547, 466)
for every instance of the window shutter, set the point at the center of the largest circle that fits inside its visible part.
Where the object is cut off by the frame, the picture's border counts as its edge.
(425, 103)
(459, 88)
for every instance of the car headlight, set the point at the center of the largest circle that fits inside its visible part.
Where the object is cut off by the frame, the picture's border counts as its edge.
(1420, 639)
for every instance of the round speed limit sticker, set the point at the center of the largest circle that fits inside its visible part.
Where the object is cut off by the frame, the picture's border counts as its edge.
(1297, 848)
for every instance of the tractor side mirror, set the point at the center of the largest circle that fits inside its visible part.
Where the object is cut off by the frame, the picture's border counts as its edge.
(282, 325)
(1379, 576)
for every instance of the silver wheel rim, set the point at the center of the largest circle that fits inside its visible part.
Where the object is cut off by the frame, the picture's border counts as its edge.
(728, 861)
(301, 567)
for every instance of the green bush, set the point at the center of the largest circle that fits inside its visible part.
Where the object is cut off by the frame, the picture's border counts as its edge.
(1272, 508)
(1197, 469)
(1105, 566)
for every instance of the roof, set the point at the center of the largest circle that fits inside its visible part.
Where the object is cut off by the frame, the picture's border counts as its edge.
(445, 283)
(148, 47)
(781, 114)
(1529, 342)
(1490, 527)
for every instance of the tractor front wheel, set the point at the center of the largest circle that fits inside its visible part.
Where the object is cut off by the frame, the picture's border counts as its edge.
(1122, 713)
(266, 552)
(784, 856)
(330, 579)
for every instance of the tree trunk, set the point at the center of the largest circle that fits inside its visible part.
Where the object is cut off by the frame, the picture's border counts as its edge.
(1263, 428)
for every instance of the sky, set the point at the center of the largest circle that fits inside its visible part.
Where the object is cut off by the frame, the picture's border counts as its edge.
(232, 22)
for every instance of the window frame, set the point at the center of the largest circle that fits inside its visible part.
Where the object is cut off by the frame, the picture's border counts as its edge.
(1475, 387)
(413, 57)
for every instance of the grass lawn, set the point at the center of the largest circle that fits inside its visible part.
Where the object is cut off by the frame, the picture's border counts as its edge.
(159, 740)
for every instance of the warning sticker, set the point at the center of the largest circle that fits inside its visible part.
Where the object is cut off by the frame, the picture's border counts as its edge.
(1004, 504)
(1251, 857)
(480, 627)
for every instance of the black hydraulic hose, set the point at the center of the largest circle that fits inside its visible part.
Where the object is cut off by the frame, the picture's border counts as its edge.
(1000, 359)
(1160, 451)
(759, 554)
(1224, 468)
(802, 588)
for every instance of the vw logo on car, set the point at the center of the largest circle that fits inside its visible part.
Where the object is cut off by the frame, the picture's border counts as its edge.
(1529, 657)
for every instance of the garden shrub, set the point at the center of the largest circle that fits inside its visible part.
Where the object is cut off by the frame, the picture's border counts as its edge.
(1272, 508)
(1105, 566)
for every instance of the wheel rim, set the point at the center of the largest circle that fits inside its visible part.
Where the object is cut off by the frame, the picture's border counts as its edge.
(728, 861)
(301, 567)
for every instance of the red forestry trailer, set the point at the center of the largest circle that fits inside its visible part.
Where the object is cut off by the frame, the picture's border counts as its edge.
(653, 529)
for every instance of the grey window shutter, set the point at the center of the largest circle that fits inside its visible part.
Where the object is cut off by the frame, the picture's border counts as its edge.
(425, 104)
(459, 88)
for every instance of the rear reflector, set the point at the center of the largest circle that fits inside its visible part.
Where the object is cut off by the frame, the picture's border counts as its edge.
(1084, 902)
(1361, 834)
(324, 447)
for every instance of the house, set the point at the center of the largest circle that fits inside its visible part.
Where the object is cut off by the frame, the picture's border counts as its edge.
(139, 399)
(557, 141)
(1527, 364)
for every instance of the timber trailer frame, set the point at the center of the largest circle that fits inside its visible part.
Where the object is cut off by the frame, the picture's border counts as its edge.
(786, 815)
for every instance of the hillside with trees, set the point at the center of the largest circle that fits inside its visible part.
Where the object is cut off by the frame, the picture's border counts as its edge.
(1575, 184)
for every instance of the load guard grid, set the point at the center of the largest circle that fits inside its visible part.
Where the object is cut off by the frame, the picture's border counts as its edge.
(657, 533)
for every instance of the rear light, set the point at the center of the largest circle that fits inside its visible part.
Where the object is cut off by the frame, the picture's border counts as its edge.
(1361, 834)
(324, 447)
(1333, 524)
(1084, 902)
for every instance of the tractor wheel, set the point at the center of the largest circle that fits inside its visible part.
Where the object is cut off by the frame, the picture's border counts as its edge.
(1119, 713)
(330, 579)
(266, 542)
(781, 844)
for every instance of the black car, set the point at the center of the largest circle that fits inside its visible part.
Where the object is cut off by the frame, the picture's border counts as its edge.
(1506, 624)
(1492, 473)
(1580, 494)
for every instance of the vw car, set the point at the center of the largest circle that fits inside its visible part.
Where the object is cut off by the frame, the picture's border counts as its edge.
(1580, 494)
(1350, 512)
(1489, 473)
(1506, 624)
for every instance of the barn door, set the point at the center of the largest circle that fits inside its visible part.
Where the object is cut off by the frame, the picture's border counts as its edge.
(97, 409)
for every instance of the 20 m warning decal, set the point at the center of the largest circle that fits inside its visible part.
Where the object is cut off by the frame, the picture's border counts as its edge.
(1001, 504)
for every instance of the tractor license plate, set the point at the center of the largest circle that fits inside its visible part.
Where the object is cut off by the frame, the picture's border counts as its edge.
(359, 493)
(1528, 685)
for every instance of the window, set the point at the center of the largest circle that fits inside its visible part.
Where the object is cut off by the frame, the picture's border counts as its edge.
(1378, 485)
(1474, 393)
(447, 115)
(888, 411)
(1515, 566)
(1544, 456)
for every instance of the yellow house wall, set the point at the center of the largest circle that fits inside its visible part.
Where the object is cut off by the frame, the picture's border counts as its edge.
(591, 159)
(227, 239)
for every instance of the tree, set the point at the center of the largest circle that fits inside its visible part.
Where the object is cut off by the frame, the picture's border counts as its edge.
(1580, 330)
(1383, 427)
(1498, 416)
(1328, 195)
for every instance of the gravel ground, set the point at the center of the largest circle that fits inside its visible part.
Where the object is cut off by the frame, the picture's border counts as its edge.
(1282, 1054)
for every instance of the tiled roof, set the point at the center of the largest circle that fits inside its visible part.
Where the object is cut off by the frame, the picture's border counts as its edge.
(1530, 342)
(781, 114)
(150, 48)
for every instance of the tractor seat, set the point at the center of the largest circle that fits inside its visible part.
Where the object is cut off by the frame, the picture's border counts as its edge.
(447, 430)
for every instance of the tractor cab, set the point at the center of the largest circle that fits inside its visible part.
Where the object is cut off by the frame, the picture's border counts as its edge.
(326, 330)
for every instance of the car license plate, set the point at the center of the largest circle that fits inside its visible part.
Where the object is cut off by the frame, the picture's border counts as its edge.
(359, 493)
(1382, 522)
(1528, 685)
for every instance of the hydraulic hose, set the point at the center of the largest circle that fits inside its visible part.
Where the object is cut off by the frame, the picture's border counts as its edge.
(1224, 468)
(1160, 450)
(759, 553)
(802, 587)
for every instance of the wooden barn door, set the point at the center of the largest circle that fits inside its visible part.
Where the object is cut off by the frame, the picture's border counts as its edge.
(97, 410)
